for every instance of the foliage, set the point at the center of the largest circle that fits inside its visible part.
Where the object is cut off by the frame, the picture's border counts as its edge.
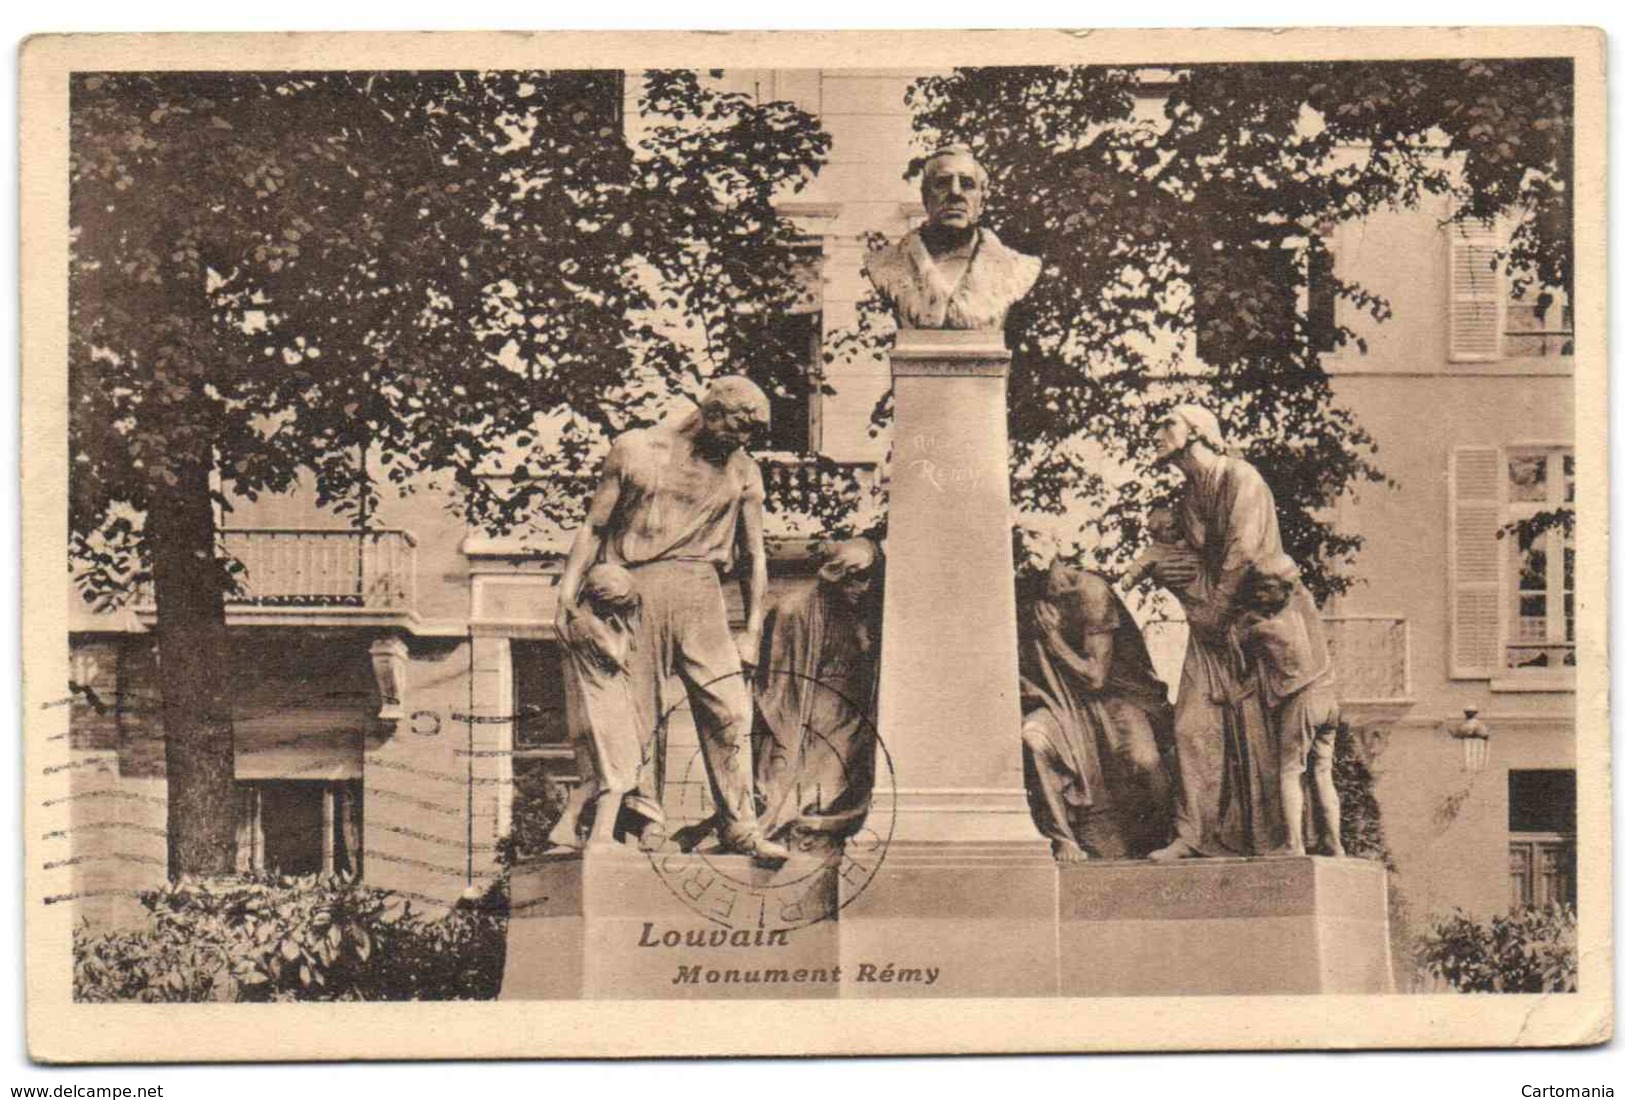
(1529, 529)
(304, 939)
(1201, 207)
(359, 279)
(538, 803)
(457, 957)
(1361, 818)
(366, 277)
(1530, 949)
(1514, 123)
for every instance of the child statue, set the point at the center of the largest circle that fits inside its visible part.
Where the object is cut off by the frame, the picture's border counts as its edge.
(1293, 672)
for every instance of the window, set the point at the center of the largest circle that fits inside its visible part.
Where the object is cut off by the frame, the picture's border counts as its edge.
(789, 361)
(1512, 565)
(1531, 331)
(541, 731)
(1540, 486)
(1541, 836)
(1320, 293)
(544, 759)
(299, 827)
(1244, 297)
(1487, 323)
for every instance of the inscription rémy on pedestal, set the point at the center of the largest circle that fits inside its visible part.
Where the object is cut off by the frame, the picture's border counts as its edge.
(935, 459)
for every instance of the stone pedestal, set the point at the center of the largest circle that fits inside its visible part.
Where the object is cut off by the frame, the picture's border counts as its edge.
(944, 921)
(621, 925)
(949, 710)
(981, 915)
(1230, 926)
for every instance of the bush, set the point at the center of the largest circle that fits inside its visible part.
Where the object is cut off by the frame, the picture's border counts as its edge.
(1528, 950)
(456, 958)
(304, 939)
(538, 803)
(1361, 819)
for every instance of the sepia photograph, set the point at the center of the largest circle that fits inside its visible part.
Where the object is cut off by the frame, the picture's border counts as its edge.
(1114, 524)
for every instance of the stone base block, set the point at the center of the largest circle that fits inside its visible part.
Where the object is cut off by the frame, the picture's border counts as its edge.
(959, 920)
(944, 920)
(957, 818)
(1232, 926)
(620, 925)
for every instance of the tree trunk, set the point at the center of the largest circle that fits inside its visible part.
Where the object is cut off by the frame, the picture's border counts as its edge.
(194, 678)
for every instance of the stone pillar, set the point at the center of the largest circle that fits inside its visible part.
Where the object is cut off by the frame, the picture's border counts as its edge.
(949, 711)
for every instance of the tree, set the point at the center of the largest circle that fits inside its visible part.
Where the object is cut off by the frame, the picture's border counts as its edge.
(1182, 226)
(364, 275)
(179, 191)
(707, 266)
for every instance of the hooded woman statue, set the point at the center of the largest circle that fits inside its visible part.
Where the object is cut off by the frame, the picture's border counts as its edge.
(815, 694)
(1095, 721)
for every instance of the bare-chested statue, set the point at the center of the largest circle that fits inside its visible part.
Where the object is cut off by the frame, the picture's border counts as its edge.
(1095, 721)
(951, 273)
(672, 507)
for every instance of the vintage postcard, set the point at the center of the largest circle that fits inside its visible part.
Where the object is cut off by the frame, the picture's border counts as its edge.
(614, 545)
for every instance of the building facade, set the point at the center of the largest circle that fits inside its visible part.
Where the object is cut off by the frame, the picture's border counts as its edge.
(398, 691)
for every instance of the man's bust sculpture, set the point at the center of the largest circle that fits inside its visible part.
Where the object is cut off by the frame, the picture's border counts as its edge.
(951, 273)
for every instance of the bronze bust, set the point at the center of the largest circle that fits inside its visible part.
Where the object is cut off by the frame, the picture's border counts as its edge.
(951, 273)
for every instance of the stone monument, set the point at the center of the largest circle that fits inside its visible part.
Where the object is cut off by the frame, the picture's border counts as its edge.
(949, 697)
(955, 893)
(966, 876)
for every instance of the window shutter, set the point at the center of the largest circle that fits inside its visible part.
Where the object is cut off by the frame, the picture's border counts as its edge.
(1475, 562)
(1475, 295)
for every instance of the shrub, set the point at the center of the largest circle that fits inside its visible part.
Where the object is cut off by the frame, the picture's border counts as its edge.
(456, 958)
(143, 966)
(1364, 838)
(538, 803)
(1530, 949)
(312, 938)
(1361, 819)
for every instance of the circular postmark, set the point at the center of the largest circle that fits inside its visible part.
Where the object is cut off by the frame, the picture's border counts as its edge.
(823, 785)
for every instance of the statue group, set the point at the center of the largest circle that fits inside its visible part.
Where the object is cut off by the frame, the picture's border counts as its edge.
(1112, 770)
(641, 608)
(784, 707)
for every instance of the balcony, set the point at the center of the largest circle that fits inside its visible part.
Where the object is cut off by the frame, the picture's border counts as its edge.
(803, 490)
(1371, 655)
(1371, 658)
(338, 577)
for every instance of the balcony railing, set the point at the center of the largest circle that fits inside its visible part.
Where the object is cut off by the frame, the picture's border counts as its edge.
(294, 567)
(1371, 657)
(796, 483)
(801, 483)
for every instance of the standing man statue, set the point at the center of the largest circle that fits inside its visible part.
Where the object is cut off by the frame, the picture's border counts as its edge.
(815, 702)
(1095, 721)
(673, 506)
(951, 273)
(1228, 791)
